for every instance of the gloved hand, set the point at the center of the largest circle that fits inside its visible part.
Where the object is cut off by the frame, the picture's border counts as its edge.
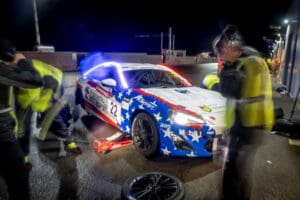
(50, 82)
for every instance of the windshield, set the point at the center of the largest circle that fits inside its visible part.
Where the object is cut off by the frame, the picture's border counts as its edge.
(153, 78)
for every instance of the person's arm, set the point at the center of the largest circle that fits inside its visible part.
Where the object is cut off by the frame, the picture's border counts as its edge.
(21, 74)
(50, 82)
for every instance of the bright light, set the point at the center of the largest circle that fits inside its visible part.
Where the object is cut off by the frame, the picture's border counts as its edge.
(106, 64)
(184, 119)
(290, 21)
(91, 60)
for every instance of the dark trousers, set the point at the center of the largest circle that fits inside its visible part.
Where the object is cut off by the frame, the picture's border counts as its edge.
(25, 139)
(60, 124)
(13, 170)
(243, 143)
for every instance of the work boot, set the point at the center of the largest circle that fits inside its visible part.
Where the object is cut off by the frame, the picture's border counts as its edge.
(73, 147)
(27, 163)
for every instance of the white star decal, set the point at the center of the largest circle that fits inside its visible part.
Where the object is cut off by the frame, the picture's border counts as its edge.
(168, 133)
(182, 132)
(139, 97)
(195, 136)
(166, 151)
(133, 109)
(142, 99)
(157, 116)
(127, 116)
(128, 92)
(141, 107)
(127, 129)
(168, 119)
(120, 95)
(191, 154)
(122, 119)
(154, 103)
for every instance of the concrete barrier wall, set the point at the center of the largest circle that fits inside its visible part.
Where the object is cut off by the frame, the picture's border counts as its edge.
(68, 61)
(134, 57)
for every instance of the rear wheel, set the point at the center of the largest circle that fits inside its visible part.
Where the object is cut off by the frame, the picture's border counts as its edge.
(153, 185)
(145, 135)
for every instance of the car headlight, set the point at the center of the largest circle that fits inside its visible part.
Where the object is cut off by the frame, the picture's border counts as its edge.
(185, 119)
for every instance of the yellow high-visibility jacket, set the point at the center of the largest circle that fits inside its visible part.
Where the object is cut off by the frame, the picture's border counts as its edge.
(20, 75)
(40, 99)
(256, 105)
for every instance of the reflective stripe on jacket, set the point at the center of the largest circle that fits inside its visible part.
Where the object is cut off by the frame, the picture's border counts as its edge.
(256, 105)
(10, 104)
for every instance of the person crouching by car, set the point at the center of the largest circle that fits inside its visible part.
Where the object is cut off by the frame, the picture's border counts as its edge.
(46, 102)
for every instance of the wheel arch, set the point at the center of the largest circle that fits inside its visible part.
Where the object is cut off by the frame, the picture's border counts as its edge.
(138, 111)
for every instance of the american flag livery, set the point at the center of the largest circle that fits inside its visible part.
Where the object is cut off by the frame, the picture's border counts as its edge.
(185, 118)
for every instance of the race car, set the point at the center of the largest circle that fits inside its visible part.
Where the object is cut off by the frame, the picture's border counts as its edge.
(155, 106)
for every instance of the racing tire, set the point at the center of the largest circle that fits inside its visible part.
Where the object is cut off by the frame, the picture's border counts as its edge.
(79, 100)
(152, 185)
(145, 135)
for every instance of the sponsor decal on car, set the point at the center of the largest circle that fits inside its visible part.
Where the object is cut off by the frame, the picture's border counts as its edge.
(206, 108)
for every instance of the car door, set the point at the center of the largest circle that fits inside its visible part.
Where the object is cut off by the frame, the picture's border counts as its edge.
(113, 106)
(100, 94)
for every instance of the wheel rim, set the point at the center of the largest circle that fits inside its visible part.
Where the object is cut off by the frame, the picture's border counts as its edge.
(154, 186)
(143, 134)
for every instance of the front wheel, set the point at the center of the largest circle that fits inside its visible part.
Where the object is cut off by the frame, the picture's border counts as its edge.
(152, 185)
(145, 135)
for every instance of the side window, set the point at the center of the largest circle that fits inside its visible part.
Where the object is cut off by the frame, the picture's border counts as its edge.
(114, 75)
(97, 74)
(147, 78)
(102, 73)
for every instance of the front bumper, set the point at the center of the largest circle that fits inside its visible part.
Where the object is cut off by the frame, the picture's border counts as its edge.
(191, 142)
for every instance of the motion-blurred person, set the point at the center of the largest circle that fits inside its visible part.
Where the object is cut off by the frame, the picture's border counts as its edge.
(245, 81)
(54, 113)
(12, 167)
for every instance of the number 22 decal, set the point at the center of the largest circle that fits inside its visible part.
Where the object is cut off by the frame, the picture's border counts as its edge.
(113, 109)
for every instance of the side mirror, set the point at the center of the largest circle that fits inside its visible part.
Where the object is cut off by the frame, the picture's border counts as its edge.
(109, 82)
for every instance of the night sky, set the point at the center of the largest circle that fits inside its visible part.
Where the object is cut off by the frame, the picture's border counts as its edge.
(86, 25)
